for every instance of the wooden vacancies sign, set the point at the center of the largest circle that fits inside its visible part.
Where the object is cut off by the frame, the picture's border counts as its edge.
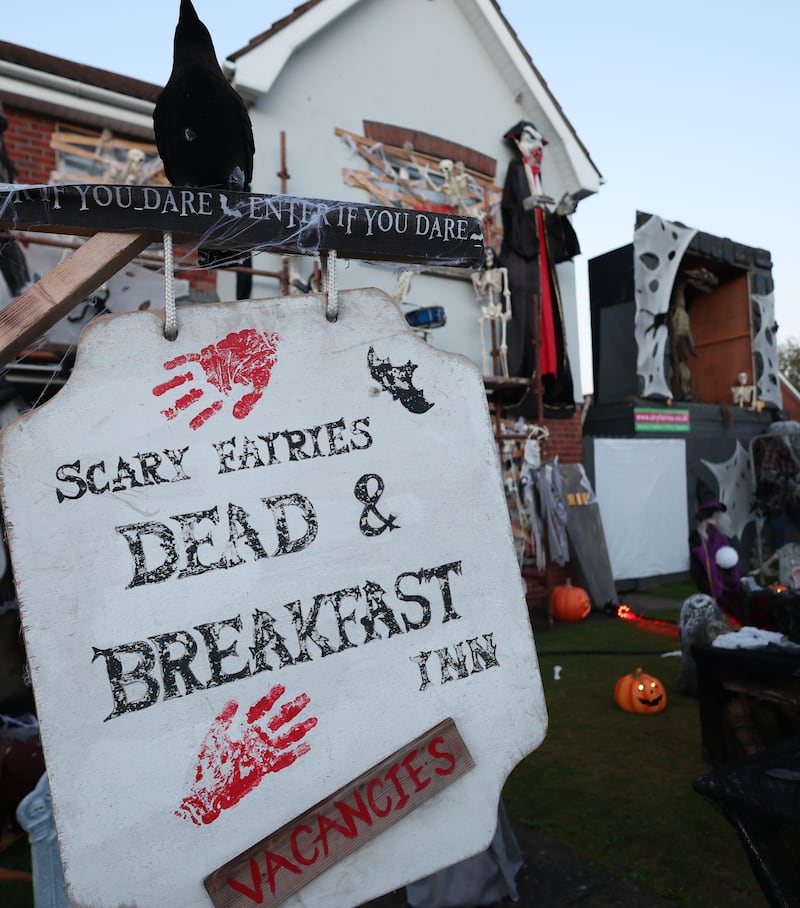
(251, 564)
(347, 820)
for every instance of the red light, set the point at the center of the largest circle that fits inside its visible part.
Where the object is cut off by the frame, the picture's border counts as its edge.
(668, 628)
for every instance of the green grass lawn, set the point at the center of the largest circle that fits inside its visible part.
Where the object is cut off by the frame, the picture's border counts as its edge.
(677, 589)
(617, 787)
(613, 786)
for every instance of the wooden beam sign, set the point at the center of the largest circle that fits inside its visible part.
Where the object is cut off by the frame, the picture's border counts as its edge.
(52, 297)
(271, 223)
(281, 864)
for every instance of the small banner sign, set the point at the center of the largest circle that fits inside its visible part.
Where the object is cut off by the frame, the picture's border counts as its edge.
(661, 421)
(280, 865)
(243, 220)
(266, 555)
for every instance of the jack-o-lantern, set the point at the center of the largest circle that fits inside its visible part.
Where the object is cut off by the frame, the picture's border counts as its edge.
(570, 603)
(640, 693)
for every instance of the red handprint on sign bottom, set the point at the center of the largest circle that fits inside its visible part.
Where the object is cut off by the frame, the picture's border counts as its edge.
(245, 358)
(228, 769)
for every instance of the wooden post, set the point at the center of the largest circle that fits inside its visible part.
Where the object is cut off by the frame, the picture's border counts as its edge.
(27, 317)
(283, 173)
(495, 351)
(284, 176)
(538, 387)
(538, 390)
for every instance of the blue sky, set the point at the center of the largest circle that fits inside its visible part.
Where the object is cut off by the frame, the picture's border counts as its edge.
(689, 110)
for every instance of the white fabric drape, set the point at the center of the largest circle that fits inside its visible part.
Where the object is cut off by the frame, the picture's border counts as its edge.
(641, 489)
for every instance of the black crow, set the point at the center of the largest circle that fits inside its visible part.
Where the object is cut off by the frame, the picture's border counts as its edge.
(202, 128)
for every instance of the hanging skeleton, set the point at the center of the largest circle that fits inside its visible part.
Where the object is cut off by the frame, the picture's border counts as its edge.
(401, 176)
(456, 187)
(491, 284)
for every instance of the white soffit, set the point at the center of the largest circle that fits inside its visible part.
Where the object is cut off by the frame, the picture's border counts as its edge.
(80, 96)
(257, 70)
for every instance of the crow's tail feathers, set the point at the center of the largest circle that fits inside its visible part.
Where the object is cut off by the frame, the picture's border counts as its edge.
(230, 258)
(244, 279)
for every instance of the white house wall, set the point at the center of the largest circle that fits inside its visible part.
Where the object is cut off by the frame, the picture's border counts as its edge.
(414, 64)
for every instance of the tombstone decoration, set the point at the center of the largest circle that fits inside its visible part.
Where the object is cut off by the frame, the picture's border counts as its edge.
(279, 655)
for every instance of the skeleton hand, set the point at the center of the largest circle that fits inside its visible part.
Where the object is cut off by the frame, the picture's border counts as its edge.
(537, 201)
(567, 205)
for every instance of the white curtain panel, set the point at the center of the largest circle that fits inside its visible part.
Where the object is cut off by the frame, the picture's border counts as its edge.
(641, 489)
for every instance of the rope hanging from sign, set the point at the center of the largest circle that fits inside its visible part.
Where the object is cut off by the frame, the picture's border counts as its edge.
(331, 288)
(170, 309)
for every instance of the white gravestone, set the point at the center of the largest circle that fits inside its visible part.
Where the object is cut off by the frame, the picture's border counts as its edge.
(253, 563)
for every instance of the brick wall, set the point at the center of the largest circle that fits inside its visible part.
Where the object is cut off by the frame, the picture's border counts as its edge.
(566, 443)
(566, 439)
(27, 141)
(790, 401)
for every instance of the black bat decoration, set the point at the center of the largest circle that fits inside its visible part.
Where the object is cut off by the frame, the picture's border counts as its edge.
(399, 382)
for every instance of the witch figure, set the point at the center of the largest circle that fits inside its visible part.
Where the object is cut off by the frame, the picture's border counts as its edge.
(537, 235)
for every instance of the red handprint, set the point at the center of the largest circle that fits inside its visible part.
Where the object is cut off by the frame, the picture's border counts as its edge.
(245, 358)
(228, 769)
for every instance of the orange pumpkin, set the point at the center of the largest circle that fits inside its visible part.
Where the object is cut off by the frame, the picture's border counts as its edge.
(570, 603)
(640, 693)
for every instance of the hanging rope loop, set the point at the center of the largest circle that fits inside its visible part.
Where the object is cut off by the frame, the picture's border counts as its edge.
(170, 308)
(331, 288)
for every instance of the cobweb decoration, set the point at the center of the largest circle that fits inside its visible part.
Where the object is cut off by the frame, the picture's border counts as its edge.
(306, 223)
(735, 480)
(402, 177)
(765, 351)
(658, 248)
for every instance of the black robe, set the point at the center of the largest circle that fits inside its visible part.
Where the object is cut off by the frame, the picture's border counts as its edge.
(520, 255)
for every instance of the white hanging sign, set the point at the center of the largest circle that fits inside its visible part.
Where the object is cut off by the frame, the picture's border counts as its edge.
(251, 564)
